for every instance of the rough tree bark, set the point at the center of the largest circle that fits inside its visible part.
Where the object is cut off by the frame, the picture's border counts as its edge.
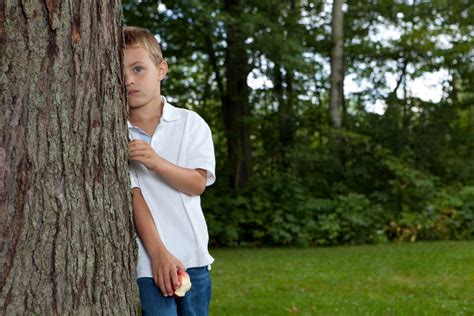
(67, 242)
(336, 101)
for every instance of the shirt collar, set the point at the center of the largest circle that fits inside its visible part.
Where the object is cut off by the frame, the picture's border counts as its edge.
(170, 113)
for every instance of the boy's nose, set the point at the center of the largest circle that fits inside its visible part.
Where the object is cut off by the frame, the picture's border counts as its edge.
(129, 80)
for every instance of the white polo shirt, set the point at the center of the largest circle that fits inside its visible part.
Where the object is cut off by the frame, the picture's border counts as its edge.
(183, 138)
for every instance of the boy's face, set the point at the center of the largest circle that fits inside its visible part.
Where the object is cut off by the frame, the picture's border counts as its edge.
(142, 77)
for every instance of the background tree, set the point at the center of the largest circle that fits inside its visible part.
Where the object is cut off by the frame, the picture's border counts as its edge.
(336, 99)
(236, 108)
(67, 234)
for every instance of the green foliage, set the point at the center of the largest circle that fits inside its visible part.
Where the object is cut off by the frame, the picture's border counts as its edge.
(280, 211)
(284, 209)
(449, 215)
(406, 174)
(408, 188)
(351, 219)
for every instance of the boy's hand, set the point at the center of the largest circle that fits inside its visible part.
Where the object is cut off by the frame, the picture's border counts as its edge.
(165, 272)
(142, 151)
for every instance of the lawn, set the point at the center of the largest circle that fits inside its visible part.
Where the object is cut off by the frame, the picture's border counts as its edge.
(391, 279)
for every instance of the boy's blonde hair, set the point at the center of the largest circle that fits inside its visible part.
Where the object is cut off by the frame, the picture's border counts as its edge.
(140, 37)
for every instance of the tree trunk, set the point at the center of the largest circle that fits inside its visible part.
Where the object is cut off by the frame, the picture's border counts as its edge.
(336, 101)
(286, 125)
(282, 105)
(67, 233)
(236, 107)
(287, 115)
(287, 112)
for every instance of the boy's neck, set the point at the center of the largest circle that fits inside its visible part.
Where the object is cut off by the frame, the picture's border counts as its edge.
(149, 112)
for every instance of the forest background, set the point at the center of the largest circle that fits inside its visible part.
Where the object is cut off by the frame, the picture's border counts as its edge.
(395, 163)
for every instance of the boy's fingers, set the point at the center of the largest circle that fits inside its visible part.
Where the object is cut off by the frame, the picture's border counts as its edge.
(137, 153)
(138, 144)
(137, 141)
(161, 285)
(174, 278)
(133, 148)
(156, 279)
(168, 285)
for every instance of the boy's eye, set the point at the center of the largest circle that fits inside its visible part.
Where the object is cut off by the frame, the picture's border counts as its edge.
(137, 69)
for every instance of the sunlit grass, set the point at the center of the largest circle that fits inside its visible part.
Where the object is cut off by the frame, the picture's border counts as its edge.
(392, 279)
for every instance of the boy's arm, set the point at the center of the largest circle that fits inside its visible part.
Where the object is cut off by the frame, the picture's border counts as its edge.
(164, 264)
(186, 180)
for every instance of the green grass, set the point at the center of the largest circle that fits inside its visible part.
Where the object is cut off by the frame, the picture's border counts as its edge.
(392, 279)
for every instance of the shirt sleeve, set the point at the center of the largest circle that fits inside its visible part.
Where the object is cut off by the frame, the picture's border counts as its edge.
(200, 152)
(133, 177)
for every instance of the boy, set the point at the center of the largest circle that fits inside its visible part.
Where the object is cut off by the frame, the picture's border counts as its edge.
(172, 161)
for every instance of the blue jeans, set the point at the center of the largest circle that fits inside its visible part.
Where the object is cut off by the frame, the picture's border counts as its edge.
(194, 303)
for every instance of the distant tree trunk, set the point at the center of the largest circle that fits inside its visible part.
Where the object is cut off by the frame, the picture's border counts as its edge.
(282, 106)
(336, 101)
(470, 132)
(283, 88)
(67, 242)
(236, 107)
(287, 115)
(283, 84)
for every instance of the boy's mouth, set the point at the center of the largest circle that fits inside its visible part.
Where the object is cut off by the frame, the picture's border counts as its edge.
(131, 92)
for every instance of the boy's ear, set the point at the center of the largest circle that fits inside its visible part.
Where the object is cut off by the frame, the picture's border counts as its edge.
(162, 70)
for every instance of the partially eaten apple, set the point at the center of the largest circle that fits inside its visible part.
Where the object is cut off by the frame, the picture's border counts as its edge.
(184, 284)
